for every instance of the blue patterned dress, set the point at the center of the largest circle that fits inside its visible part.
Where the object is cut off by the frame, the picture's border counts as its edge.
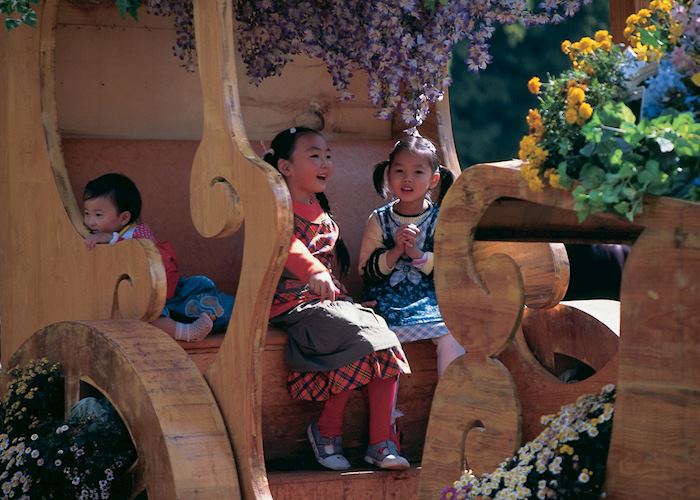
(406, 297)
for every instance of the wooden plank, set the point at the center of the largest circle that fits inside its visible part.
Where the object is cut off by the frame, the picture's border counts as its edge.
(348, 485)
(658, 395)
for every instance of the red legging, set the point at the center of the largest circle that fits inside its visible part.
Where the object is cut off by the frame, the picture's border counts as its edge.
(382, 392)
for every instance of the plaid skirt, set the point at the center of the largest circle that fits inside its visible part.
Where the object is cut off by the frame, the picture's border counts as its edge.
(319, 386)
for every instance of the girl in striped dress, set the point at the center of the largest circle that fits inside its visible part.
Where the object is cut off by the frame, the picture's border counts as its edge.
(334, 345)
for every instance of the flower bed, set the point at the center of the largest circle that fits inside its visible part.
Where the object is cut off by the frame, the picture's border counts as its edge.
(566, 460)
(43, 456)
(622, 122)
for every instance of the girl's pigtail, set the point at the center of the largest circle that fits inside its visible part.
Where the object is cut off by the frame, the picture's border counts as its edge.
(446, 180)
(341, 251)
(270, 158)
(379, 178)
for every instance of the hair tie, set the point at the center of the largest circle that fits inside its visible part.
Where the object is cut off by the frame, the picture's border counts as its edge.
(293, 130)
(269, 152)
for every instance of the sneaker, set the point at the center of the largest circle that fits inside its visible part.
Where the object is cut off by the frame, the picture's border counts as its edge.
(328, 451)
(385, 456)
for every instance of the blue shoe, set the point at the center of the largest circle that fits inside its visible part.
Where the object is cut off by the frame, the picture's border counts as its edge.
(328, 451)
(385, 456)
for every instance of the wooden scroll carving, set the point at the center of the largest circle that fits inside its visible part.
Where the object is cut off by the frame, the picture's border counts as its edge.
(47, 274)
(246, 188)
(655, 431)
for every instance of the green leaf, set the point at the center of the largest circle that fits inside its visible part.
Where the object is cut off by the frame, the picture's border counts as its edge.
(622, 207)
(592, 176)
(613, 114)
(588, 149)
(647, 38)
(128, 7)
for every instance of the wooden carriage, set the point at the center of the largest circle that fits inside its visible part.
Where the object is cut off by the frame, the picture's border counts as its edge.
(88, 92)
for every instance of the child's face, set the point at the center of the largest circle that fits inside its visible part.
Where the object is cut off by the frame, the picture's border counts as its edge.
(101, 215)
(310, 168)
(411, 176)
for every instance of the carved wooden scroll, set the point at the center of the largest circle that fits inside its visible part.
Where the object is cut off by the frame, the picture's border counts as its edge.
(476, 411)
(46, 273)
(231, 184)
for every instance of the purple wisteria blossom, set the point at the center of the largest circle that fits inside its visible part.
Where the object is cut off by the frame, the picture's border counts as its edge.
(403, 45)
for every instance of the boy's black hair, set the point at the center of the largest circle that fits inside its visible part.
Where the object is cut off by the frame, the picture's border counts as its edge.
(414, 144)
(120, 189)
(282, 147)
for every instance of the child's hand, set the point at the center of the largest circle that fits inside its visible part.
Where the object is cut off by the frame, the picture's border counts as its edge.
(406, 236)
(93, 239)
(322, 284)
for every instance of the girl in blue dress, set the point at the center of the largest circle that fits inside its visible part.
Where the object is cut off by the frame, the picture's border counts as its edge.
(396, 257)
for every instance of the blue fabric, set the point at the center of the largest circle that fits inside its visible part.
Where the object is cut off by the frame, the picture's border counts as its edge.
(195, 295)
(407, 297)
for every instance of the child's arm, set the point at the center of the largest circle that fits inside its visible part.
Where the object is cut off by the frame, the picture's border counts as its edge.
(95, 238)
(302, 264)
(376, 261)
(140, 231)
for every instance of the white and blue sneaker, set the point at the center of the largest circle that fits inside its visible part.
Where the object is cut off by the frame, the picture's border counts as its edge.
(385, 456)
(328, 451)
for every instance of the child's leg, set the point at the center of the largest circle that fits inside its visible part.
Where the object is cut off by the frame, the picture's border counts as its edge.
(382, 451)
(381, 403)
(330, 423)
(187, 332)
(448, 349)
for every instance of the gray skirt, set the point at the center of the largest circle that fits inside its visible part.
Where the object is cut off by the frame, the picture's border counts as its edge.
(325, 335)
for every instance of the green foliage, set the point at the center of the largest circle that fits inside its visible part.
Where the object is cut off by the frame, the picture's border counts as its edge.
(18, 12)
(622, 160)
(43, 456)
(488, 107)
(130, 7)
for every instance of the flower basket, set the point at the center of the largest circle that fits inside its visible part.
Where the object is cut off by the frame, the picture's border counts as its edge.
(622, 123)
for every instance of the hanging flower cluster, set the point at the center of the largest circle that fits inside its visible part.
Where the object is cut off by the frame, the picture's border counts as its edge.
(403, 45)
(567, 459)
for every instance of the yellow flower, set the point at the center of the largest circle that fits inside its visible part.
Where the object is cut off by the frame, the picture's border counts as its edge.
(566, 47)
(585, 111)
(534, 85)
(644, 13)
(675, 32)
(601, 35)
(571, 116)
(565, 448)
(587, 44)
(632, 19)
(555, 181)
(576, 95)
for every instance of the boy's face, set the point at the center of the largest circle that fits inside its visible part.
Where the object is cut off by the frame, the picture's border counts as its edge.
(101, 215)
